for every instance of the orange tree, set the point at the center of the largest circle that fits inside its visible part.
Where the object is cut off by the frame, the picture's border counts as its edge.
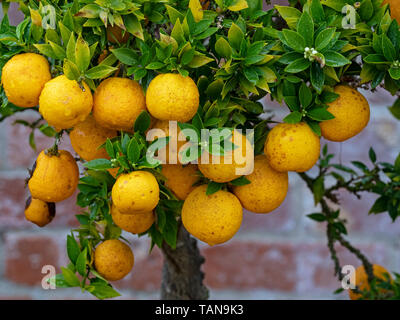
(107, 71)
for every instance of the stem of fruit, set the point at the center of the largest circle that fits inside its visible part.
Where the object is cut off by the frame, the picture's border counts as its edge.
(182, 278)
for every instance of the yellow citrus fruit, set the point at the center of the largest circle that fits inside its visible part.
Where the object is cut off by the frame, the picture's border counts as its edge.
(180, 179)
(39, 212)
(351, 111)
(113, 259)
(63, 103)
(213, 219)
(362, 279)
(169, 154)
(135, 223)
(137, 191)
(88, 136)
(54, 178)
(267, 190)
(292, 147)
(116, 35)
(171, 96)
(23, 78)
(232, 164)
(394, 9)
(117, 103)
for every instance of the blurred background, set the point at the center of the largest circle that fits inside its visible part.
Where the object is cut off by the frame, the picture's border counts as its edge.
(282, 255)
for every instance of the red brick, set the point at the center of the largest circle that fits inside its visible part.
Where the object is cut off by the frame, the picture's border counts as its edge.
(26, 255)
(12, 202)
(250, 265)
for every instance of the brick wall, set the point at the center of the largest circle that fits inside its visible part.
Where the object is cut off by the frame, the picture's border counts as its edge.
(280, 255)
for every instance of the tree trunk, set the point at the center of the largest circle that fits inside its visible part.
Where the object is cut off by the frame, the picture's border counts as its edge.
(182, 278)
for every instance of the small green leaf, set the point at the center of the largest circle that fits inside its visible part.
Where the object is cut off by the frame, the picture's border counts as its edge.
(213, 187)
(334, 59)
(294, 117)
(235, 36)
(317, 77)
(100, 72)
(372, 155)
(70, 277)
(317, 12)
(142, 123)
(98, 164)
(73, 249)
(294, 40)
(305, 27)
(305, 95)
(242, 181)
(223, 48)
(133, 151)
(320, 217)
(125, 55)
(298, 66)
(81, 263)
(324, 38)
(320, 114)
(82, 54)
(389, 50)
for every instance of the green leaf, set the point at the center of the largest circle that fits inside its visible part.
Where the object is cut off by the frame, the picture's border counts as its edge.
(317, 77)
(133, 151)
(395, 73)
(298, 66)
(70, 277)
(318, 189)
(125, 55)
(324, 38)
(242, 181)
(294, 117)
(81, 263)
(238, 5)
(174, 14)
(376, 59)
(395, 109)
(102, 291)
(305, 27)
(100, 72)
(235, 36)
(289, 14)
(320, 114)
(82, 54)
(223, 48)
(305, 95)
(98, 164)
(71, 48)
(199, 61)
(289, 57)
(142, 123)
(380, 205)
(372, 155)
(397, 164)
(73, 249)
(389, 50)
(320, 217)
(366, 10)
(70, 70)
(58, 50)
(213, 187)
(317, 12)
(334, 59)
(133, 26)
(46, 49)
(294, 40)
(155, 65)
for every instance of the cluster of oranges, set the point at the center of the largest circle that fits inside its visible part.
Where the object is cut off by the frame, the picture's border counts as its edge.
(115, 105)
